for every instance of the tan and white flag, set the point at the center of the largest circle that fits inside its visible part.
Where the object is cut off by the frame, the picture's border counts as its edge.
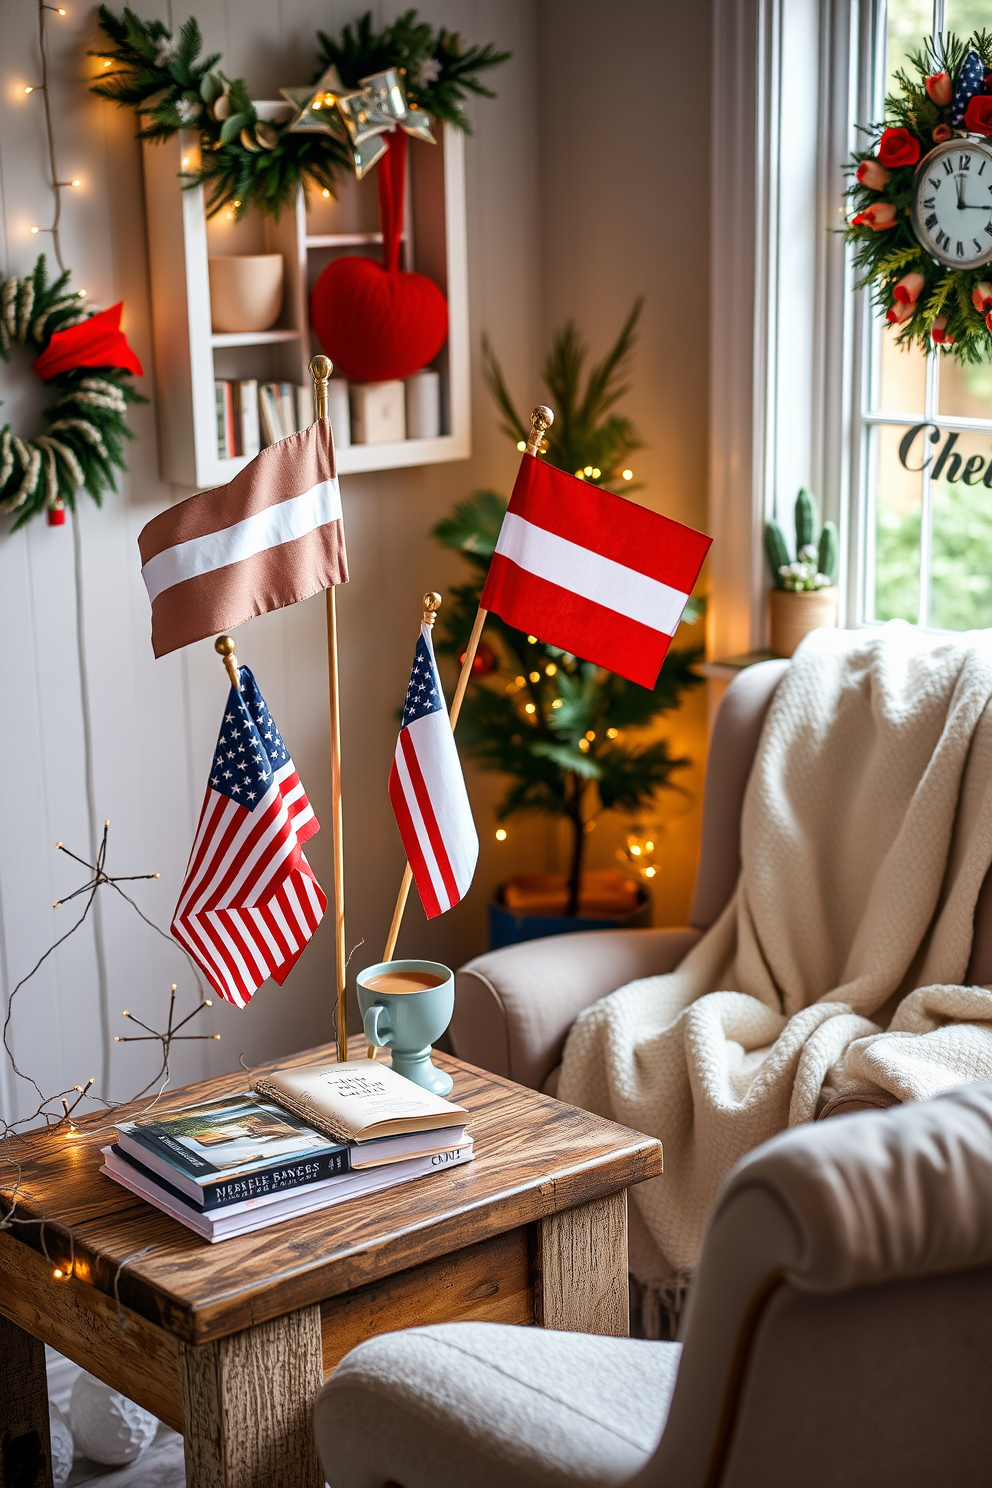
(272, 536)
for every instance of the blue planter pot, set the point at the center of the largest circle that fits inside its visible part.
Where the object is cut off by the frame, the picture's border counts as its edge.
(506, 928)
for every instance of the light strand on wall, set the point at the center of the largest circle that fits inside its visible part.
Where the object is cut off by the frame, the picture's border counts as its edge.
(57, 183)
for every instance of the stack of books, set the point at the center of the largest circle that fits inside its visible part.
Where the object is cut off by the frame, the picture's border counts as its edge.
(303, 1139)
(251, 415)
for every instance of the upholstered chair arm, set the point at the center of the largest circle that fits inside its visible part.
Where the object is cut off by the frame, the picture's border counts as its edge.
(514, 1007)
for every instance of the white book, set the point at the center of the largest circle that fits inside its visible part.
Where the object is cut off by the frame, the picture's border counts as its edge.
(287, 408)
(261, 1213)
(269, 412)
(246, 395)
(357, 1101)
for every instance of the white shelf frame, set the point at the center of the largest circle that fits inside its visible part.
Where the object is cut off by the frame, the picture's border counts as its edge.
(434, 242)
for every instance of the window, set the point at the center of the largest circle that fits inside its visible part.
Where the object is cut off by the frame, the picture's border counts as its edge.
(926, 426)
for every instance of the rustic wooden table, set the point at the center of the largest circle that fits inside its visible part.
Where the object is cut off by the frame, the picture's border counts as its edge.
(229, 1343)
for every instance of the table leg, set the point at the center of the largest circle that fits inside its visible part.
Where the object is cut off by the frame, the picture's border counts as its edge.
(25, 1443)
(247, 1403)
(582, 1268)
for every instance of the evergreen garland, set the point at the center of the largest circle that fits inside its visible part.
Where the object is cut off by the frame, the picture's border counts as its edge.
(926, 303)
(83, 443)
(246, 161)
(583, 750)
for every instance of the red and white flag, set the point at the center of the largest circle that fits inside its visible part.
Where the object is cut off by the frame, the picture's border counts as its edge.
(249, 903)
(427, 790)
(272, 536)
(592, 572)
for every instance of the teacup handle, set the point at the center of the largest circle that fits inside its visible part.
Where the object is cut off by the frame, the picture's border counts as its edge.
(374, 1015)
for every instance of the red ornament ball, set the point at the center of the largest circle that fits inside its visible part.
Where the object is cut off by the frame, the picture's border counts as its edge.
(374, 323)
(484, 661)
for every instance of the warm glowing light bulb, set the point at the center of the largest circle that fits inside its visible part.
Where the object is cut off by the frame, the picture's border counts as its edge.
(57, 1273)
(325, 193)
(521, 445)
(627, 474)
(36, 229)
(317, 104)
(584, 745)
(216, 1038)
(587, 470)
(76, 182)
(650, 872)
(81, 293)
(611, 733)
(117, 1038)
(61, 10)
(596, 472)
(520, 681)
(635, 851)
(500, 834)
(550, 670)
(556, 703)
(237, 204)
(590, 734)
(534, 676)
(529, 708)
(532, 640)
(649, 847)
(185, 161)
(106, 64)
(207, 1002)
(28, 90)
(580, 475)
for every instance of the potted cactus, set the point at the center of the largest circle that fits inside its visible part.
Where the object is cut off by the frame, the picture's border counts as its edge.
(804, 592)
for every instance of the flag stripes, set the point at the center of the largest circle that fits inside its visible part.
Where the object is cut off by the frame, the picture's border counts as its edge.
(249, 902)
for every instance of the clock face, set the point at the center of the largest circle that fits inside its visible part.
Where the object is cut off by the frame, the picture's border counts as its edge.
(952, 209)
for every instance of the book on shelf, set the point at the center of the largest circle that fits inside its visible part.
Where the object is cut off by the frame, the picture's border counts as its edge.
(262, 1211)
(246, 417)
(243, 1146)
(227, 444)
(358, 1101)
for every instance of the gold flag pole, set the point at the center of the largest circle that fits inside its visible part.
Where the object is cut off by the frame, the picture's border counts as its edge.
(320, 371)
(540, 422)
(224, 646)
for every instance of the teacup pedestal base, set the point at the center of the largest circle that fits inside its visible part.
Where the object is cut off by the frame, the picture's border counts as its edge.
(419, 1068)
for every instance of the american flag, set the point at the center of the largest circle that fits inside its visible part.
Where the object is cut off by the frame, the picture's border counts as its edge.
(250, 902)
(427, 790)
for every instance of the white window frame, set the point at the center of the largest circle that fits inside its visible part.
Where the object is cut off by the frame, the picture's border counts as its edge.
(790, 356)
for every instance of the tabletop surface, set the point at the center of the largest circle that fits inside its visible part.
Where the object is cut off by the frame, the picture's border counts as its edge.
(534, 1156)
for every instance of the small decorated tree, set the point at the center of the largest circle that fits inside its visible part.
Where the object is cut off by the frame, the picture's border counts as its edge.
(572, 738)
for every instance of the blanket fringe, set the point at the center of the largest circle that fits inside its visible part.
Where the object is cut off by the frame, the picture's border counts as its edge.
(656, 1309)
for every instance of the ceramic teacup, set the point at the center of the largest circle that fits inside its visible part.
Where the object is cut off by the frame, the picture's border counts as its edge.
(406, 1014)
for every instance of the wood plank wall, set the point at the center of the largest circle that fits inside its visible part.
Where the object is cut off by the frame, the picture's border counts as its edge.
(154, 723)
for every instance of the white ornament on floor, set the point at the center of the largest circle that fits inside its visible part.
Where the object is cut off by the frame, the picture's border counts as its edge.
(62, 1445)
(107, 1426)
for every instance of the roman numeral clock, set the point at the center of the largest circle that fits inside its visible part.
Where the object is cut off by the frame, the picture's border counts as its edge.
(952, 203)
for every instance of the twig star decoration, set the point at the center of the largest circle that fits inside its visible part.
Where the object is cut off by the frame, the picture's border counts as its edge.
(171, 1034)
(100, 877)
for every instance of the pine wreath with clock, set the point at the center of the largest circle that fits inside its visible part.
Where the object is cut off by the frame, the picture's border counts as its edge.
(922, 199)
(84, 358)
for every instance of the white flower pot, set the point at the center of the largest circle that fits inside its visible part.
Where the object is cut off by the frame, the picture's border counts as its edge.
(795, 614)
(246, 291)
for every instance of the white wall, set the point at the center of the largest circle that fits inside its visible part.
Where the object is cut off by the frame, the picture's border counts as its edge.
(154, 723)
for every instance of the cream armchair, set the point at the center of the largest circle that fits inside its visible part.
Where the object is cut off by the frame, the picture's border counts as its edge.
(514, 1007)
(840, 1333)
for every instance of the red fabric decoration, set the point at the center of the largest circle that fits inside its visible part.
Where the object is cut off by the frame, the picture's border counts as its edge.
(97, 342)
(374, 321)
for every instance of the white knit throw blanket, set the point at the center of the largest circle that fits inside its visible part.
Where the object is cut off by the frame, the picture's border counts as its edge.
(865, 838)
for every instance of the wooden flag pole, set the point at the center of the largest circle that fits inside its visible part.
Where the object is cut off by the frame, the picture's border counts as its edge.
(540, 422)
(320, 371)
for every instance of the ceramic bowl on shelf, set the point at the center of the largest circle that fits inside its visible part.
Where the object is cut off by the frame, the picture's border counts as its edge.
(246, 291)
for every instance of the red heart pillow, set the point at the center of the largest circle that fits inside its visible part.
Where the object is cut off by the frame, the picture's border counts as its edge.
(376, 323)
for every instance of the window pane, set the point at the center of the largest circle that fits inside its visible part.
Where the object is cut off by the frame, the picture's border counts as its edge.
(965, 392)
(902, 377)
(908, 23)
(898, 506)
(961, 563)
(966, 16)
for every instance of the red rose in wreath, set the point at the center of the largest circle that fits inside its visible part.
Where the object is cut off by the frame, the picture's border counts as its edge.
(898, 147)
(978, 115)
(374, 321)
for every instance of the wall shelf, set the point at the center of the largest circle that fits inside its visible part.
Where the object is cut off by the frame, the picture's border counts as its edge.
(190, 356)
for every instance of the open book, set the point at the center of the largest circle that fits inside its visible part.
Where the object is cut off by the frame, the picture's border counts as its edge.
(358, 1101)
